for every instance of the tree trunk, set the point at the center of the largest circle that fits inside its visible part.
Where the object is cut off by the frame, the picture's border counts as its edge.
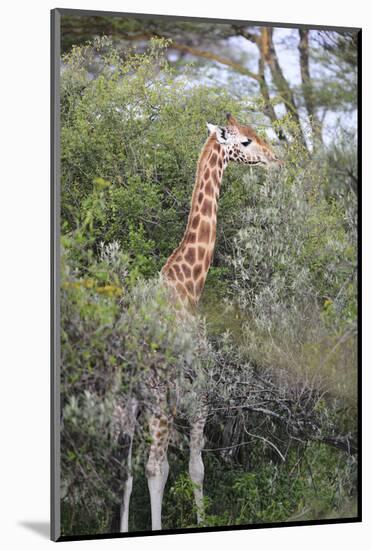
(308, 92)
(269, 54)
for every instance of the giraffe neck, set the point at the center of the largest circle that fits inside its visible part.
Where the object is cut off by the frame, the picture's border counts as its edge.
(187, 267)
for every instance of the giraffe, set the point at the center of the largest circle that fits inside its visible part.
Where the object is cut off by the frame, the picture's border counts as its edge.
(185, 272)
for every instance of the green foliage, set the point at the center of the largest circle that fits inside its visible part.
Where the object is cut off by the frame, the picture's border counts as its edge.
(276, 349)
(315, 484)
(146, 150)
(114, 334)
(294, 261)
(180, 505)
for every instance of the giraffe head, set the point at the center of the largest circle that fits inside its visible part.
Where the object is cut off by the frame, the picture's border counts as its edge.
(242, 145)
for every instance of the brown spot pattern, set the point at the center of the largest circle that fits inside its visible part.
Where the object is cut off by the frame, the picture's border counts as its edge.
(213, 232)
(204, 233)
(201, 253)
(191, 237)
(190, 287)
(207, 208)
(207, 173)
(196, 221)
(178, 272)
(186, 270)
(207, 261)
(200, 285)
(215, 177)
(213, 159)
(209, 189)
(170, 274)
(181, 290)
(190, 255)
(196, 271)
(200, 197)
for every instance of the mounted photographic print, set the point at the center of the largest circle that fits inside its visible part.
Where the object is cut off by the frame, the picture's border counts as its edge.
(205, 192)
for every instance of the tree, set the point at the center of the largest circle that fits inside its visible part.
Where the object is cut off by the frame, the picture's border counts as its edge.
(307, 104)
(277, 350)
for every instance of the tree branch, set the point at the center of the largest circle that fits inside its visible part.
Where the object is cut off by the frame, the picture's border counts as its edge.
(240, 31)
(191, 50)
(214, 57)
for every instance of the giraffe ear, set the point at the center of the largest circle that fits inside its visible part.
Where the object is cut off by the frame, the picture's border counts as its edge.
(220, 133)
(211, 128)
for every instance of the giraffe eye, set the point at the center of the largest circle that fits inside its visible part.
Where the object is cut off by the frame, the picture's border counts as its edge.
(246, 143)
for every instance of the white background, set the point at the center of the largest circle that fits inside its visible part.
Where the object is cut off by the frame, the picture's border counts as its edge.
(24, 271)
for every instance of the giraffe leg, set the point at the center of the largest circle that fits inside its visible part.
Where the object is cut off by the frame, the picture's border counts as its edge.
(125, 417)
(157, 468)
(128, 486)
(196, 465)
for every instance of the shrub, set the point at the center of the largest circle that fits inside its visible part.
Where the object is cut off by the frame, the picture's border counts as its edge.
(274, 351)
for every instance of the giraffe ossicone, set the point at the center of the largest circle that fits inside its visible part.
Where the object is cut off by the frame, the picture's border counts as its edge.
(185, 272)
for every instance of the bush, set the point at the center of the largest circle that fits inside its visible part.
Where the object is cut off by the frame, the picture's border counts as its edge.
(274, 350)
(115, 334)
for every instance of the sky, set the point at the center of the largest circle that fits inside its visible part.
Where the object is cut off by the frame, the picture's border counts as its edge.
(286, 42)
